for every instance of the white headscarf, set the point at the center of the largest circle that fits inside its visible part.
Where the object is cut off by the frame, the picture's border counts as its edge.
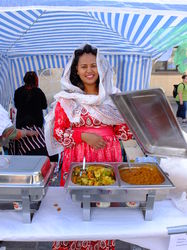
(99, 106)
(73, 99)
(5, 120)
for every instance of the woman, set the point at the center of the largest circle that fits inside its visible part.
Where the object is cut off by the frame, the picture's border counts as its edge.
(30, 101)
(8, 131)
(181, 99)
(86, 122)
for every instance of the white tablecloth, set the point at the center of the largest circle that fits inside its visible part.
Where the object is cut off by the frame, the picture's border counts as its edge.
(129, 225)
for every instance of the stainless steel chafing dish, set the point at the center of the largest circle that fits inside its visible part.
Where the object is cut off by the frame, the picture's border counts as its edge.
(155, 128)
(24, 179)
(120, 192)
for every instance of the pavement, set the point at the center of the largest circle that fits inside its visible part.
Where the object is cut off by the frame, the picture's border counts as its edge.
(120, 245)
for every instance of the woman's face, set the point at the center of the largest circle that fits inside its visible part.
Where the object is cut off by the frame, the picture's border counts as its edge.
(87, 69)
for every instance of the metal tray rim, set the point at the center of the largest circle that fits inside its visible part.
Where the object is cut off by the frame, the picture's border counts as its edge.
(119, 183)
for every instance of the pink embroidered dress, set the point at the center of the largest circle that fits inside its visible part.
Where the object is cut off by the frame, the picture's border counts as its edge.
(69, 135)
(76, 112)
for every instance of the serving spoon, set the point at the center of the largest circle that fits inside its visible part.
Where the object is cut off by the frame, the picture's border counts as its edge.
(83, 166)
(129, 163)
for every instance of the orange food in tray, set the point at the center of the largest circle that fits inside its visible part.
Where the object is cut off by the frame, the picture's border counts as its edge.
(141, 175)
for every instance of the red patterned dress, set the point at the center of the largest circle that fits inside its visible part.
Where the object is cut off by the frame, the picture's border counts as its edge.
(69, 135)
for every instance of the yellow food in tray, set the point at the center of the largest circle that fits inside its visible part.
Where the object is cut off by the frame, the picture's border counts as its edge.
(141, 175)
(94, 175)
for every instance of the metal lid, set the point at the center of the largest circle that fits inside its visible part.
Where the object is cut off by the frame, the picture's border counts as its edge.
(152, 122)
(23, 170)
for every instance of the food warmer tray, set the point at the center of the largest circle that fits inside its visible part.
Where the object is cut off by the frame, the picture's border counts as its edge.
(119, 193)
(24, 179)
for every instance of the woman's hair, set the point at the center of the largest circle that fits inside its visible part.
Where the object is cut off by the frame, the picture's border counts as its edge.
(74, 78)
(31, 79)
(184, 76)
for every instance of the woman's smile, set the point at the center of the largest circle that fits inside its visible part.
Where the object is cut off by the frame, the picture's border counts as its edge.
(90, 76)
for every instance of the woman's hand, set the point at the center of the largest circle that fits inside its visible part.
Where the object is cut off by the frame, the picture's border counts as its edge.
(30, 133)
(94, 140)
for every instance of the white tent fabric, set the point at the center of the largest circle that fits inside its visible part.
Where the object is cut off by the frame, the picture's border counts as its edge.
(124, 66)
(40, 34)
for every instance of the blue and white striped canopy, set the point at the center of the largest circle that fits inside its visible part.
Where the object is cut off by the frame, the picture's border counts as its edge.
(40, 34)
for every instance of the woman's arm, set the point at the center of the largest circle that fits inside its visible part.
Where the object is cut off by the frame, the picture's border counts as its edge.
(43, 99)
(17, 99)
(12, 133)
(68, 137)
(62, 131)
(123, 132)
(24, 132)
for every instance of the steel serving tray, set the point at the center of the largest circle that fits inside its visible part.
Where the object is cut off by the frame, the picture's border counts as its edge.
(152, 122)
(24, 171)
(164, 185)
(70, 185)
(24, 179)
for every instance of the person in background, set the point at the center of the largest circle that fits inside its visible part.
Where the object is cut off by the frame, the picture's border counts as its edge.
(30, 101)
(8, 131)
(181, 99)
(85, 122)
